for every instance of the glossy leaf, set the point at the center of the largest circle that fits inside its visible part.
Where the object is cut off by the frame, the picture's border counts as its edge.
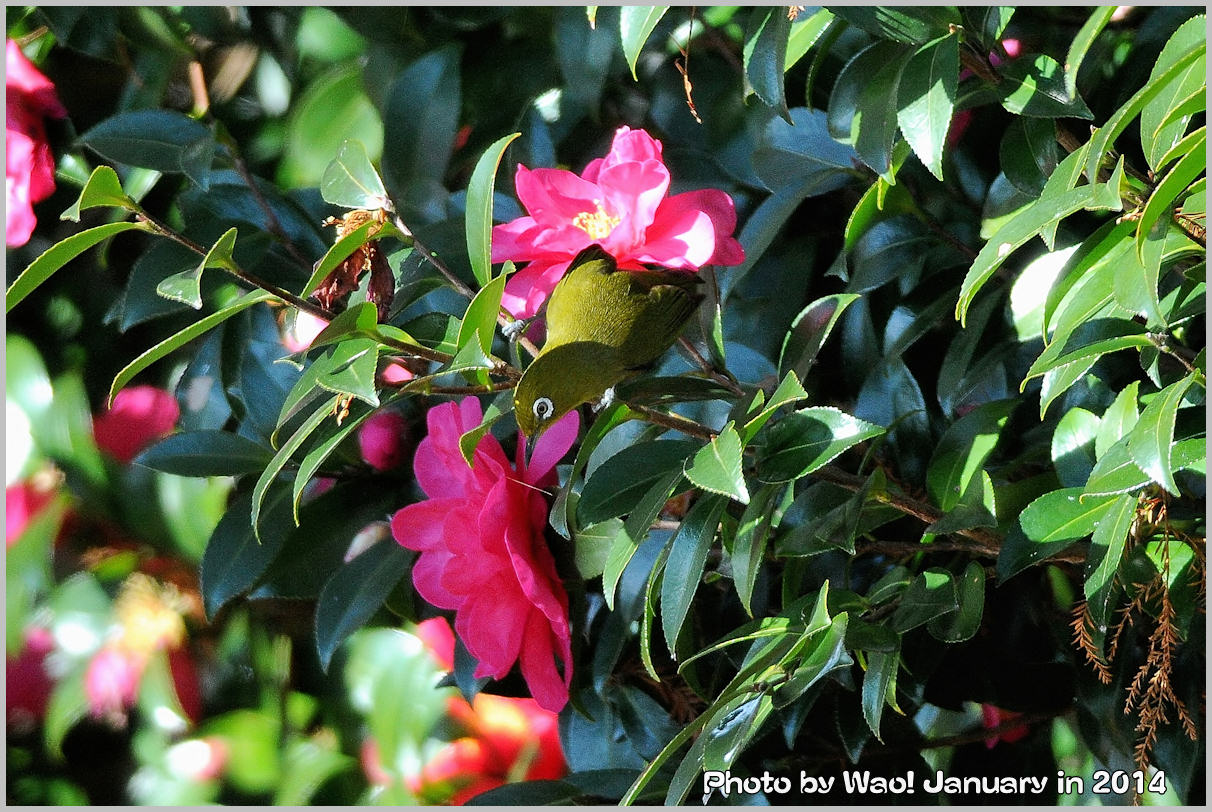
(912, 24)
(355, 592)
(613, 487)
(1157, 135)
(1117, 420)
(1034, 85)
(186, 287)
(235, 558)
(1081, 46)
(765, 55)
(164, 140)
(205, 453)
(805, 32)
(684, 566)
(1151, 438)
(59, 255)
(480, 323)
(926, 97)
(102, 189)
(1161, 202)
(717, 466)
(862, 108)
(1106, 551)
(930, 595)
(749, 548)
(338, 253)
(962, 451)
(351, 181)
(479, 208)
(1073, 446)
(636, 24)
(805, 440)
(880, 674)
(966, 620)
(1063, 515)
(270, 474)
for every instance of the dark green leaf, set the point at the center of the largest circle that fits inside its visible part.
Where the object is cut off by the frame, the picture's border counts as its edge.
(102, 189)
(351, 181)
(615, 485)
(1034, 85)
(180, 339)
(1028, 153)
(322, 450)
(717, 466)
(355, 592)
(59, 255)
(881, 671)
(862, 108)
(789, 391)
(962, 451)
(636, 24)
(749, 548)
(636, 527)
(931, 594)
(234, 558)
(803, 441)
(926, 97)
(1106, 551)
(684, 567)
(163, 140)
(205, 453)
(1081, 46)
(801, 156)
(479, 209)
(964, 622)
(270, 475)
(912, 24)
(765, 55)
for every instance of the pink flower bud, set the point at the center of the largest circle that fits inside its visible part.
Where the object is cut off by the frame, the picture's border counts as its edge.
(384, 440)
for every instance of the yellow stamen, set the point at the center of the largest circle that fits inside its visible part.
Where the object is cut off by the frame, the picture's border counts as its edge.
(597, 224)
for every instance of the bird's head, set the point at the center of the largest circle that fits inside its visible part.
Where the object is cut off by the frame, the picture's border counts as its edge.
(558, 381)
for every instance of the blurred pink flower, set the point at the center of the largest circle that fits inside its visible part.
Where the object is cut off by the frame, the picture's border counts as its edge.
(993, 717)
(140, 415)
(29, 166)
(111, 682)
(961, 120)
(22, 502)
(483, 551)
(384, 440)
(620, 203)
(302, 331)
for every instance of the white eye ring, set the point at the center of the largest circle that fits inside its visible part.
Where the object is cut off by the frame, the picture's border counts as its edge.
(543, 408)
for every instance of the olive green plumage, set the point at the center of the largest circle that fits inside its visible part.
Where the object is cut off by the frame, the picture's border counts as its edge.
(603, 325)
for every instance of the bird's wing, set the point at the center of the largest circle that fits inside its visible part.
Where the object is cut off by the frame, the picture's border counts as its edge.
(581, 284)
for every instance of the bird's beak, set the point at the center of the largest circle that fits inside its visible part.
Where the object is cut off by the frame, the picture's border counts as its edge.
(530, 443)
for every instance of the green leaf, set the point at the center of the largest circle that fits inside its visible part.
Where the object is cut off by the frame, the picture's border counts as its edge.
(1088, 353)
(805, 440)
(636, 24)
(966, 620)
(420, 119)
(351, 181)
(186, 287)
(636, 527)
(270, 475)
(930, 595)
(163, 140)
(470, 439)
(916, 25)
(962, 451)
(355, 592)
(1063, 515)
(1034, 85)
(717, 466)
(926, 97)
(338, 253)
(881, 671)
(1028, 153)
(1161, 202)
(1027, 224)
(1117, 420)
(752, 535)
(765, 56)
(180, 339)
(234, 557)
(102, 189)
(1073, 446)
(862, 106)
(1081, 46)
(320, 452)
(480, 322)
(1066, 176)
(1106, 551)
(735, 723)
(789, 391)
(68, 704)
(1151, 439)
(805, 32)
(684, 567)
(59, 255)
(986, 23)
(1104, 137)
(330, 109)
(478, 218)
(1158, 132)
(346, 368)
(205, 453)
(615, 486)
(593, 545)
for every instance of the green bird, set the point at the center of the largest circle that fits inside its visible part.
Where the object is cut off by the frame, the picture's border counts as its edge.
(603, 326)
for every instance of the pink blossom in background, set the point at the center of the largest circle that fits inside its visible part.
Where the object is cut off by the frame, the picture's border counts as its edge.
(140, 416)
(483, 551)
(302, 331)
(111, 682)
(27, 683)
(384, 439)
(993, 717)
(961, 120)
(29, 166)
(438, 639)
(22, 502)
(620, 203)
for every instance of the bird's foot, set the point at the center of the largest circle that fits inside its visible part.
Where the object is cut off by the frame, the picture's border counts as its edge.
(513, 331)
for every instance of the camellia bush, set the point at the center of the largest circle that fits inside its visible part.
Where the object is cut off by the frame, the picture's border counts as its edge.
(913, 511)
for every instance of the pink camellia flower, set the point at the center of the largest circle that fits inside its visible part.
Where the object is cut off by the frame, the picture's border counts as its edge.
(29, 166)
(27, 683)
(140, 415)
(22, 502)
(483, 554)
(620, 203)
(111, 682)
(383, 440)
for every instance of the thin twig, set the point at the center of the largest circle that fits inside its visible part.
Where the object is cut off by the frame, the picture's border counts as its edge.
(705, 366)
(673, 421)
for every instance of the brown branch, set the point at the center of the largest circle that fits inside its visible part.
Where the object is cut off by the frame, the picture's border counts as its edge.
(673, 421)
